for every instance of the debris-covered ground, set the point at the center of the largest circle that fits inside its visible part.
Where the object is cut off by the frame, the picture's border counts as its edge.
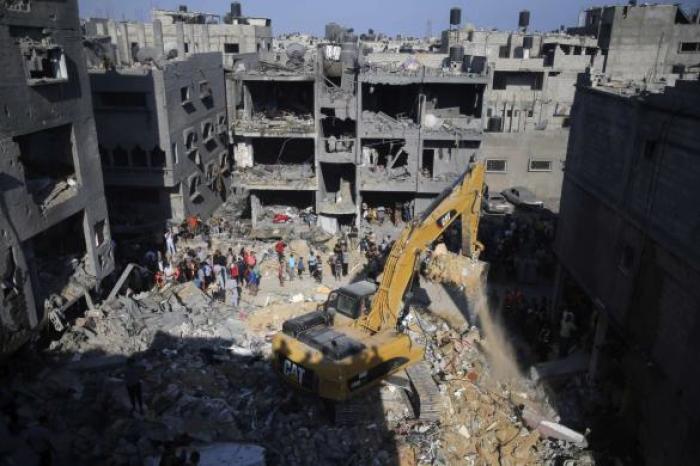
(208, 385)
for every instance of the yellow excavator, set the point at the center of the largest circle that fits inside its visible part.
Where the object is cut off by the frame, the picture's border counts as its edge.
(354, 340)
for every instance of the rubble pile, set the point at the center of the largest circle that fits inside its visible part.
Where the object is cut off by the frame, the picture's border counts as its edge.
(485, 421)
(208, 382)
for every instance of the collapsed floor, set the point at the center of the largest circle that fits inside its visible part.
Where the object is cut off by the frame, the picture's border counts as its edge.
(208, 381)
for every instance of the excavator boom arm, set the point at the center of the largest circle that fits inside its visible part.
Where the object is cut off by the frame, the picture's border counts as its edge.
(462, 199)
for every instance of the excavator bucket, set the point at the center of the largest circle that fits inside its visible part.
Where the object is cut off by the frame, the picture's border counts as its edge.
(463, 276)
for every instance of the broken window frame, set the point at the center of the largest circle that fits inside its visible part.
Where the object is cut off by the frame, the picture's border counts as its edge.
(221, 126)
(208, 131)
(19, 6)
(186, 95)
(190, 139)
(29, 50)
(205, 90)
(491, 169)
(223, 162)
(531, 162)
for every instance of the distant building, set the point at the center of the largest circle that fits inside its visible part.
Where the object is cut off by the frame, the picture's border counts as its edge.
(648, 42)
(629, 240)
(185, 33)
(527, 101)
(55, 245)
(163, 139)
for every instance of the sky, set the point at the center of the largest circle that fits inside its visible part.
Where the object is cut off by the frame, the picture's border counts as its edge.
(407, 17)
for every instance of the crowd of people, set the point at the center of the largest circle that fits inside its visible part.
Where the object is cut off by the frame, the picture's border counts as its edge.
(224, 275)
(519, 248)
(401, 212)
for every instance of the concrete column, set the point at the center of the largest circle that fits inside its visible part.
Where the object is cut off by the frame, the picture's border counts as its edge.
(124, 46)
(254, 209)
(206, 47)
(559, 277)
(189, 37)
(141, 34)
(114, 39)
(601, 332)
(158, 36)
(180, 37)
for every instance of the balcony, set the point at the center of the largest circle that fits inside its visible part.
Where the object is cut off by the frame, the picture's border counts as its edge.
(378, 178)
(284, 124)
(291, 177)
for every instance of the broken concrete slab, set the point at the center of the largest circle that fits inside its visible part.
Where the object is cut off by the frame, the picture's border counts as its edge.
(560, 432)
(572, 364)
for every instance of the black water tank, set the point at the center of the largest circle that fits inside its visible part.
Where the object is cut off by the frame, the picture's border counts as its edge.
(236, 9)
(455, 16)
(456, 54)
(182, 8)
(527, 42)
(524, 19)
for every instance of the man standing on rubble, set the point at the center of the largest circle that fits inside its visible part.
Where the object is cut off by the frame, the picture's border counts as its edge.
(279, 249)
(568, 326)
(132, 378)
(291, 267)
(170, 243)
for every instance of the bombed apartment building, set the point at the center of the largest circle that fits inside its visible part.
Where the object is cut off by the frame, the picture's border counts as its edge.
(644, 42)
(628, 245)
(56, 245)
(528, 102)
(163, 139)
(183, 33)
(337, 129)
(273, 108)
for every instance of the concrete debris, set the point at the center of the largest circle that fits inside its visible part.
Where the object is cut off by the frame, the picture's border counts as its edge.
(208, 385)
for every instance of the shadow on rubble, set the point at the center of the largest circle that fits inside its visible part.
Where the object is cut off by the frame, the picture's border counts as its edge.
(198, 393)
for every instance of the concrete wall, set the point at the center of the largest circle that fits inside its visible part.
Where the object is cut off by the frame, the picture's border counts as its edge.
(517, 149)
(628, 235)
(642, 42)
(199, 38)
(26, 109)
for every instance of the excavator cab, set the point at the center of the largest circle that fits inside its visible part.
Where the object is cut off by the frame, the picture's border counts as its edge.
(351, 301)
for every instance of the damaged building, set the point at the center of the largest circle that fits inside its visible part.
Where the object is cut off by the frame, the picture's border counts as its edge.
(184, 33)
(56, 243)
(174, 160)
(644, 41)
(528, 101)
(336, 129)
(628, 241)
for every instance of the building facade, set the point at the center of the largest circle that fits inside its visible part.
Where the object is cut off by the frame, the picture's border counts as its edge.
(644, 42)
(628, 238)
(527, 101)
(163, 139)
(56, 244)
(184, 33)
(337, 130)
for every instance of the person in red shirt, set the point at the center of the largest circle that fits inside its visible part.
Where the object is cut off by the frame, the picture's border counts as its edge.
(279, 248)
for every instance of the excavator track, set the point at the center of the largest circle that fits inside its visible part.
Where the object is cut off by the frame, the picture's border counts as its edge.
(358, 411)
(427, 399)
